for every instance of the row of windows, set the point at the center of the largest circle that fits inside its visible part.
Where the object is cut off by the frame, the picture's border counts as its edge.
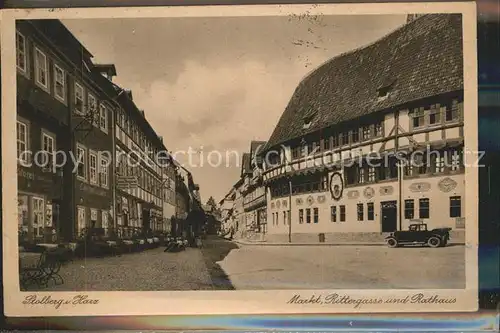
(146, 179)
(85, 221)
(24, 149)
(133, 130)
(338, 213)
(437, 163)
(435, 115)
(455, 208)
(284, 220)
(301, 185)
(85, 103)
(92, 166)
(344, 138)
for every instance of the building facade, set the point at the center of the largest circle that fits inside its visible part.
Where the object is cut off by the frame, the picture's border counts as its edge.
(87, 156)
(64, 112)
(140, 160)
(254, 201)
(169, 198)
(375, 148)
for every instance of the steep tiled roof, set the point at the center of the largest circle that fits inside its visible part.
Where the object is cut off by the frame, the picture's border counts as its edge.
(421, 59)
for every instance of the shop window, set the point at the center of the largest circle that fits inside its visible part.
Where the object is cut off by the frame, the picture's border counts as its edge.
(82, 224)
(38, 216)
(93, 217)
(455, 206)
(23, 213)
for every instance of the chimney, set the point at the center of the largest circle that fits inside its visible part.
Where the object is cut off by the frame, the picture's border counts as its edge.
(107, 70)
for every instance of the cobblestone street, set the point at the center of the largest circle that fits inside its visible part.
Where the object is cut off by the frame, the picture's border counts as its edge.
(256, 267)
(221, 265)
(192, 269)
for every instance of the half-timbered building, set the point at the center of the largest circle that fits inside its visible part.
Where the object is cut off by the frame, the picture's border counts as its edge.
(372, 140)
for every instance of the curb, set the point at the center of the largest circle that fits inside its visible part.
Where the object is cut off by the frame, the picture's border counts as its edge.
(320, 244)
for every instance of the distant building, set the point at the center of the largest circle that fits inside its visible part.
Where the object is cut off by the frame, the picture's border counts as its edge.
(254, 202)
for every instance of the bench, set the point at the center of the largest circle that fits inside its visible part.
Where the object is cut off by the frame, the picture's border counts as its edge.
(46, 269)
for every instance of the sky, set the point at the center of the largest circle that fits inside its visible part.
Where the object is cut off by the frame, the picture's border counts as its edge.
(216, 84)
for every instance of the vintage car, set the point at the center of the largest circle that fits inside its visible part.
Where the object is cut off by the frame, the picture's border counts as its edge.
(418, 234)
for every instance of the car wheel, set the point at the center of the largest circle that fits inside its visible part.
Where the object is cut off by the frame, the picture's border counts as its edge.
(392, 242)
(434, 242)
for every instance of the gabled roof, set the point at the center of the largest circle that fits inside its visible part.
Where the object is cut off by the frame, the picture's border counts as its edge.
(421, 59)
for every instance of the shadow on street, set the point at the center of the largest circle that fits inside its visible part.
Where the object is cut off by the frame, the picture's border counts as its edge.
(215, 249)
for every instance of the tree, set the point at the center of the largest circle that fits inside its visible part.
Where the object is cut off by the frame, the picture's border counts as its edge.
(213, 207)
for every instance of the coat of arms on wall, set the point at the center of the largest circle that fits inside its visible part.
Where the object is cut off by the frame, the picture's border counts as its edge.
(321, 198)
(386, 190)
(278, 204)
(299, 201)
(353, 194)
(420, 187)
(285, 203)
(447, 184)
(336, 186)
(310, 200)
(369, 192)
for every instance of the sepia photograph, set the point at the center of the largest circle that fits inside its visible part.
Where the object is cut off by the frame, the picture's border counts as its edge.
(325, 153)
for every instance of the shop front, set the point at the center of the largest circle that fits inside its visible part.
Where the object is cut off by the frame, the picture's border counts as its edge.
(39, 200)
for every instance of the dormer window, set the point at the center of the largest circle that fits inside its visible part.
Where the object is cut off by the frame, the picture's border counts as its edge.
(384, 90)
(307, 121)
